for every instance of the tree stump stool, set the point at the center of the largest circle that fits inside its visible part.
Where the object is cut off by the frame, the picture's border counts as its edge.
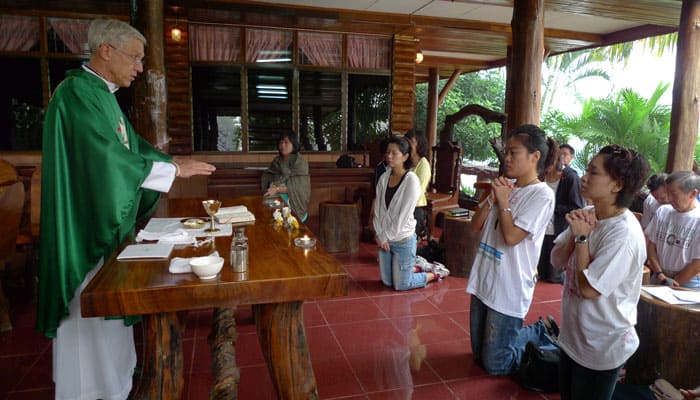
(669, 342)
(339, 226)
(460, 245)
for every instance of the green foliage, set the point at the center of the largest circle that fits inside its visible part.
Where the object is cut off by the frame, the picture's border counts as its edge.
(486, 88)
(562, 71)
(625, 118)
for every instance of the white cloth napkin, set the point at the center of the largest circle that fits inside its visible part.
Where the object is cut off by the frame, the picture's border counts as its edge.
(179, 265)
(179, 236)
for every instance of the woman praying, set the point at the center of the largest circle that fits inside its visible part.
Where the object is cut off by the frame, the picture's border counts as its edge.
(603, 253)
(397, 192)
(512, 221)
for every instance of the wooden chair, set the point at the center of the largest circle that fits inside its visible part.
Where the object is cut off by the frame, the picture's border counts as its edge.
(11, 205)
(443, 190)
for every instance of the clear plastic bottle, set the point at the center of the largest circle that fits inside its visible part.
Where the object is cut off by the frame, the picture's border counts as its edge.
(239, 251)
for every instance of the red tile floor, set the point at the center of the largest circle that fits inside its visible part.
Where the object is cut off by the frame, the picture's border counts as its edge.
(373, 344)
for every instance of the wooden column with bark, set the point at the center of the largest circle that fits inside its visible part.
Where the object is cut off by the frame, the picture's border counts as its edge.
(403, 84)
(525, 64)
(150, 98)
(432, 108)
(686, 90)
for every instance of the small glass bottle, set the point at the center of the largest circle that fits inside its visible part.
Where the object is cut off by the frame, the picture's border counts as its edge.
(239, 251)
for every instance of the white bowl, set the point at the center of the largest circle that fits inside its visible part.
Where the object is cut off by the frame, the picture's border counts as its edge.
(207, 267)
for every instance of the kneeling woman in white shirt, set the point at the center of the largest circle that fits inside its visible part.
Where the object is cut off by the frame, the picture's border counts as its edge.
(398, 190)
(603, 253)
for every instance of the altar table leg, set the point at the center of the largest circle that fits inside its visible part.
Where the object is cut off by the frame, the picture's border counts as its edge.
(162, 360)
(222, 341)
(283, 340)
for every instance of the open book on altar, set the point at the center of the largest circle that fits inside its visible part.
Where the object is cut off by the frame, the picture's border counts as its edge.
(234, 215)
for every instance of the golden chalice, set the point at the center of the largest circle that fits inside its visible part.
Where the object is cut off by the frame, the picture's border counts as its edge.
(211, 207)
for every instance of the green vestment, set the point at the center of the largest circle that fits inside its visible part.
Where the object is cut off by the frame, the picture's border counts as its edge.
(91, 195)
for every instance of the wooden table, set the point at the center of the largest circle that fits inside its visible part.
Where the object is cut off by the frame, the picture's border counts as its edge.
(669, 343)
(280, 277)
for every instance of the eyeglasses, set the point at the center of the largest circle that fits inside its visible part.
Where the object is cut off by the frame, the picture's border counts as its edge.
(137, 60)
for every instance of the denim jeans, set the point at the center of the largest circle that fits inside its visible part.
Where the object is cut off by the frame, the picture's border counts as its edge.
(577, 382)
(498, 341)
(396, 266)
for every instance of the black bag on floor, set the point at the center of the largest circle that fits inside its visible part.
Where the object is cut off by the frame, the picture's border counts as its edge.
(539, 369)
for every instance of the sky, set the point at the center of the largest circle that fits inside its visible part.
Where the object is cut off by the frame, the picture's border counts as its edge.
(643, 72)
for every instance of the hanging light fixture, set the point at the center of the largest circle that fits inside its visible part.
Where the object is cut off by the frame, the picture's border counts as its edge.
(176, 33)
(419, 57)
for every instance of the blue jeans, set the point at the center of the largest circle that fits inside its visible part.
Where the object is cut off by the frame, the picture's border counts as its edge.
(577, 382)
(692, 283)
(396, 266)
(498, 341)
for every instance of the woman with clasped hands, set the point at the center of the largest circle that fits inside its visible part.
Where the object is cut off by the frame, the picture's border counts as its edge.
(603, 253)
(512, 223)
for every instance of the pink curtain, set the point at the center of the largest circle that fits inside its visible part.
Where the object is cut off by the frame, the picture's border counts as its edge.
(264, 44)
(321, 48)
(368, 52)
(18, 33)
(73, 33)
(214, 43)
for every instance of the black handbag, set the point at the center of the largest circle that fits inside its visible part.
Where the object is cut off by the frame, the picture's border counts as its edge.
(539, 369)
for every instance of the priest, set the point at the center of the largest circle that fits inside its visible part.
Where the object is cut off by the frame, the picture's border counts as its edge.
(98, 178)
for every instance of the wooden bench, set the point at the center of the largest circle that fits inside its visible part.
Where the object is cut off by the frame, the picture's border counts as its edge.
(328, 183)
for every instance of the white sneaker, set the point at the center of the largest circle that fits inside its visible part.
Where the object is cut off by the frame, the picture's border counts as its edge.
(423, 264)
(440, 270)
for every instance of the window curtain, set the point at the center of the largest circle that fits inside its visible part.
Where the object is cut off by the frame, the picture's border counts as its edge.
(214, 43)
(368, 52)
(18, 33)
(73, 33)
(265, 44)
(321, 48)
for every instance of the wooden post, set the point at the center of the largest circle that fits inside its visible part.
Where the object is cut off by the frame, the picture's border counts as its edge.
(686, 90)
(432, 109)
(448, 86)
(150, 90)
(403, 84)
(525, 65)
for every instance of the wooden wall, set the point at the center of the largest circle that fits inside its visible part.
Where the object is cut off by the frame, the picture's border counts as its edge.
(403, 84)
(177, 72)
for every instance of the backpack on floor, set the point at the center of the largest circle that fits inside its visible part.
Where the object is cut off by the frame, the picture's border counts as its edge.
(539, 368)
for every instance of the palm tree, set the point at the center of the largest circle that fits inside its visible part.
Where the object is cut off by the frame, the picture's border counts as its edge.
(624, 118)
(564, 70)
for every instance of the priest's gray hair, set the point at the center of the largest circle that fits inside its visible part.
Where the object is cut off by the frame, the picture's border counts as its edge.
(111, 31)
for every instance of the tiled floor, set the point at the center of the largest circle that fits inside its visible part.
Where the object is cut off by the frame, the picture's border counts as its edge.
(373, 344)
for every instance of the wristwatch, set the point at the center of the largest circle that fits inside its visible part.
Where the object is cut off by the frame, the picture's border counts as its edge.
(581, 239)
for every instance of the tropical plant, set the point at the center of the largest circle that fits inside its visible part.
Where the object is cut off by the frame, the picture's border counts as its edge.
(625, 118)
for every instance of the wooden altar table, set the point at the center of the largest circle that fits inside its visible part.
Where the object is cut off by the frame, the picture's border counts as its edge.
(280, 277)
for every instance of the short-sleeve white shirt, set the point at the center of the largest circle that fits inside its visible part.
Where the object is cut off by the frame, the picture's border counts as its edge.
(676, 236)
(648, 210)
(503, 276)
(599, 333)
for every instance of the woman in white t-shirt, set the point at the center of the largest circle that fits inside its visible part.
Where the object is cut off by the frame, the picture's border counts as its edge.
(512, 221)
(656, 198)
(603, 253)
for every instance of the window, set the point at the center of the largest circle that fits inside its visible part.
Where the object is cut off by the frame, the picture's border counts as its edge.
(320, 113)
(216, 100)
(269, 107)
(21, 113)
(369, 99)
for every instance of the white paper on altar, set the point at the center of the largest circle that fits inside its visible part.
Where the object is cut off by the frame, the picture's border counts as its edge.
(170, 225)
(671, 296)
